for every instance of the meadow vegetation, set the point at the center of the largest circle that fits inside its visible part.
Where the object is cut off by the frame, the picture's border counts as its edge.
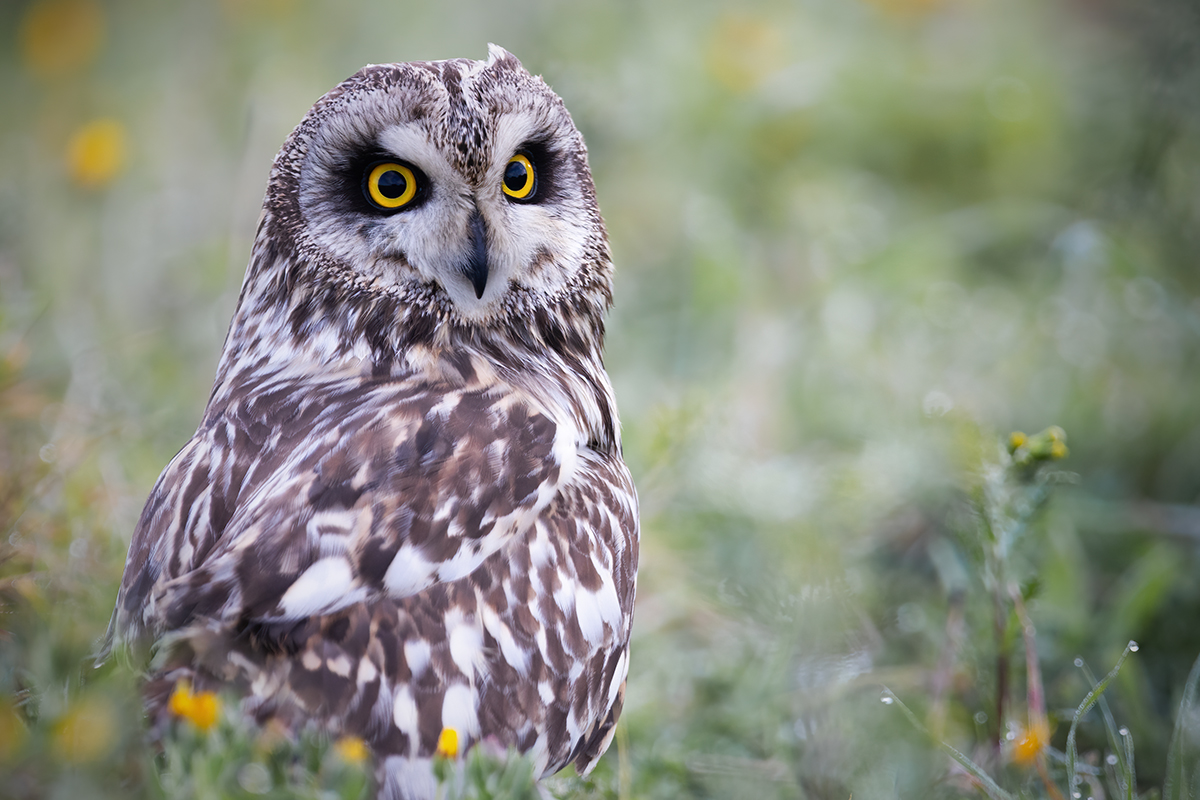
(860, 244)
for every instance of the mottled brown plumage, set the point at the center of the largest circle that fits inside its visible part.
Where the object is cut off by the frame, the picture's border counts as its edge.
(405, 507)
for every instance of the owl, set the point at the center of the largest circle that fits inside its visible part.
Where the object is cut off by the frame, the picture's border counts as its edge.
(405, 509)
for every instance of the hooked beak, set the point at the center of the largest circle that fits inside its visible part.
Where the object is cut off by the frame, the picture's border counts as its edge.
(476, 267)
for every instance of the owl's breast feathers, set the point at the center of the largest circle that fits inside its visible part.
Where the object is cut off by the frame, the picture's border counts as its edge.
(392, 556)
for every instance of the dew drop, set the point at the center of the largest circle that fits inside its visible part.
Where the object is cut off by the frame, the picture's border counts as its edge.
(1078, 661)
(980, 717)
(1010, 736)
(1133, 646)
(1111, 759)
(1123, 730)
(1076, 795)
(886, 699)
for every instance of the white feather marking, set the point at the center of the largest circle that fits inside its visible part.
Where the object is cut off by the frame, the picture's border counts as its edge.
(465, 638)
(366, 671)
(619, 675)
(564, 597)
(540, 551)
(465, 561)
(466, 649)
(310, 660)
(458, 710)
(339, 665)
(540, 753)
(607, 601)
(409, 573)
(587, 611)
(404, 712)
(513, 653)
(416, 655)
(322, 587)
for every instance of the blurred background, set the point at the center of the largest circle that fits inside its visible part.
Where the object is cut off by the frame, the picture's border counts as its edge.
(858, 242)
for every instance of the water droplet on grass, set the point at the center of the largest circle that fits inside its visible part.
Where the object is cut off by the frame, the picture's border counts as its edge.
(1133, 646)
(886, 699)
(980, 717)
(1111, 759)
(1078, 661)
(1123, 730)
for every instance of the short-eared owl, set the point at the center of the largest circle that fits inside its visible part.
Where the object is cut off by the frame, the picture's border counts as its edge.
(405, 508)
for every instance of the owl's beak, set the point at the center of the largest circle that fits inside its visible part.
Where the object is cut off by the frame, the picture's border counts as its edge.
(476, 268)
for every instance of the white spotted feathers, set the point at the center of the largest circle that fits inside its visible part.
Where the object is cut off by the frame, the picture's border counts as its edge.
(405, 507)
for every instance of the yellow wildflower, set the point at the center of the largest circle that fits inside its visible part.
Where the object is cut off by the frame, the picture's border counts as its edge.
(1030, 744)
(352, 749)
(96, 153)
(12, 731)
(1015, 440)
(447, 746)
(87, 732)
(1058, 449)
(201, 708)
(743, 51)
(61, 36)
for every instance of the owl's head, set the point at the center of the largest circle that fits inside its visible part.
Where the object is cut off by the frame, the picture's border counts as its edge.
(454, 190)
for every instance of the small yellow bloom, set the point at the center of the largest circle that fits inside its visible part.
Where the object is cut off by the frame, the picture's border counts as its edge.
(447, 746)
(1030, 745)
(61, 36)
(202, 708)
(1058, 449)
(1015, 440)
(87, 732)
(96, 153)
(743, 51)
(12, 731)
(352, 749)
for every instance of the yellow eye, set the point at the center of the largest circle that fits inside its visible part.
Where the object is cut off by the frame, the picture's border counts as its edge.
(390, 186)
(519, 178)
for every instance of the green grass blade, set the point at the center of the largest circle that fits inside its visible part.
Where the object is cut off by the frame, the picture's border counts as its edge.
(989, 786)
(1182, 752)
(1121, 744)
(1090, 700)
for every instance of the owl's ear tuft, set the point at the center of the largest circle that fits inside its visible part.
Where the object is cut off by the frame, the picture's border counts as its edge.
(498, 56)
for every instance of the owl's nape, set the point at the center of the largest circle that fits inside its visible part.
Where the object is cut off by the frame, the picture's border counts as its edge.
(405, 508)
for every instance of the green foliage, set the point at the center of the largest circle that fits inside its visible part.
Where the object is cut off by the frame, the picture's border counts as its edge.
(486, 773)
(235, 759)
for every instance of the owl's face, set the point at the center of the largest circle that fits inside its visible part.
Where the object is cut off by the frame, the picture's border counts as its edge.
(462, 180)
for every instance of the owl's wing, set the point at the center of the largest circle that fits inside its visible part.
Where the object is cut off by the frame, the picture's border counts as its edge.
(372, 491)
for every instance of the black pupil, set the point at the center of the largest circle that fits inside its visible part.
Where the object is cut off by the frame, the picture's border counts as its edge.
(515, 176)
(392, 184)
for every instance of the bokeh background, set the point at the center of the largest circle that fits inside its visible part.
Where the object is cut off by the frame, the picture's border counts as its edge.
(857, 242)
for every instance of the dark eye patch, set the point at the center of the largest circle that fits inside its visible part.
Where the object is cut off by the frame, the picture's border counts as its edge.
(547, 164)
(352, 177)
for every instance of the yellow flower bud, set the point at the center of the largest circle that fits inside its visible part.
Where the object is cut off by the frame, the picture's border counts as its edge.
(96, 153)
(59, 37)
(87, 732)
(1030, 745)
(352, 749)
(201, 709)
(447, 746)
